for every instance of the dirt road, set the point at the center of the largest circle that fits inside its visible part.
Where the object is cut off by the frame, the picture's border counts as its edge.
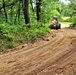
(64, 25)
(54, 54)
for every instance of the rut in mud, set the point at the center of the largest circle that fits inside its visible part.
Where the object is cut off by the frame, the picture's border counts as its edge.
(53, 55)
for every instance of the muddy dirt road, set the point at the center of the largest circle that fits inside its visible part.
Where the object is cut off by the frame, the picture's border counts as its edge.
(54, 54)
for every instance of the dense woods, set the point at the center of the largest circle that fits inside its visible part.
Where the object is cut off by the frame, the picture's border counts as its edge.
(23, 21)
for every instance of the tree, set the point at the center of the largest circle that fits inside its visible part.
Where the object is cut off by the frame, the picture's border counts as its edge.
(38, 9)
(72, 6)
(26, 12)
(5, 11)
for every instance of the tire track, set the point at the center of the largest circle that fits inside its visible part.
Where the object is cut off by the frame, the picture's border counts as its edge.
(42, 59)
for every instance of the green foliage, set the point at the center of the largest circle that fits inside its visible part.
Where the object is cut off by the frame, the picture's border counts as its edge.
(69, 9)
(67, 20)
(49, 9)
(66, 11)
(16, 32)
(5, 31)
(72, 7)
(14, 35)
(74, 21)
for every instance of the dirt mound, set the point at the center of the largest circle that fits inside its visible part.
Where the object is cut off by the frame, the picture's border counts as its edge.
(54, 54)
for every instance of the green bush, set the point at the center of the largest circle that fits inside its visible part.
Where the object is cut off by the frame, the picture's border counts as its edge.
(14, 35)
(74, 21)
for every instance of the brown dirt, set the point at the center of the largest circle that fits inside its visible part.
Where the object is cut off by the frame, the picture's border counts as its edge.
(54, 54)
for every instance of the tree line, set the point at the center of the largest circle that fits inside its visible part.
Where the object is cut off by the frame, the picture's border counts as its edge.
(19, 10)
(21, 6)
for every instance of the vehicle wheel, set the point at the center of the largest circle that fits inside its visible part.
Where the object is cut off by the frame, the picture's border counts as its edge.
(59, 26)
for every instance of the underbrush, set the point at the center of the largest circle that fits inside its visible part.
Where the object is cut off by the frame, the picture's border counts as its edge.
(74, 22)
(14, 35)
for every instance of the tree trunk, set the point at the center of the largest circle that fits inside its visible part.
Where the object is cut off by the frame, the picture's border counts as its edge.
(26, 12)
(5, 11)
(38, 10)
(19, 12)
(11, 13)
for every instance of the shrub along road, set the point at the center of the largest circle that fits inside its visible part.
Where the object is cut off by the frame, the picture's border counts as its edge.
(54, 54)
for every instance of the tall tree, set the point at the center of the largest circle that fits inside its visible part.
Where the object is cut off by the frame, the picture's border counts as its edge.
(26, 11)
(5, 11)
(38, 9)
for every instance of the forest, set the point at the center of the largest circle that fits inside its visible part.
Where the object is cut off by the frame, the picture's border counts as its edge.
(23, 21)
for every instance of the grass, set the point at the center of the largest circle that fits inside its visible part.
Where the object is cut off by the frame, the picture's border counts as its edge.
(65, 18)
(66, 23)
